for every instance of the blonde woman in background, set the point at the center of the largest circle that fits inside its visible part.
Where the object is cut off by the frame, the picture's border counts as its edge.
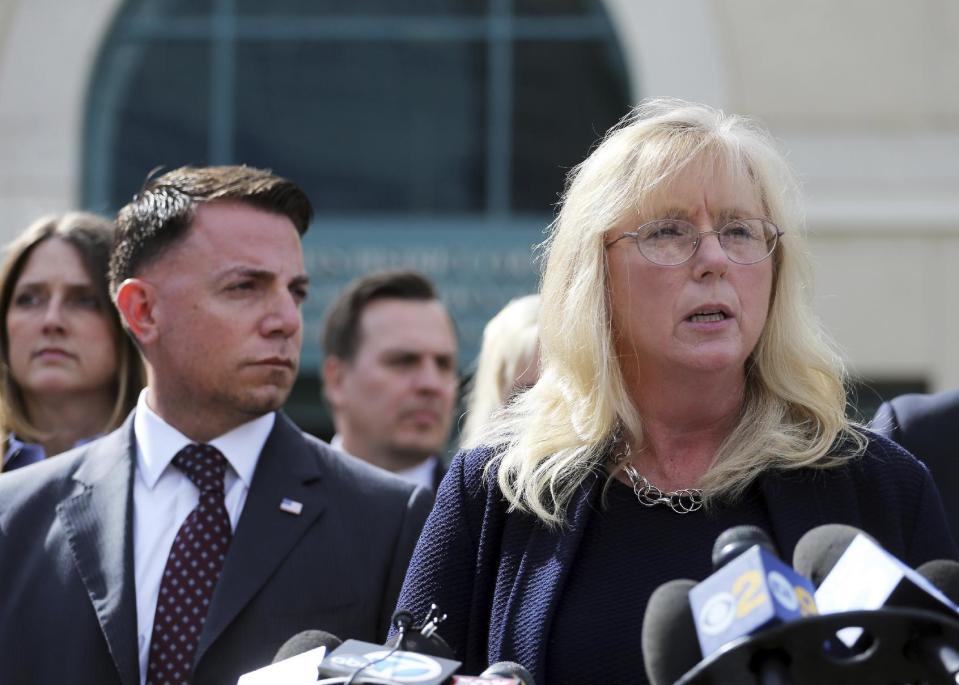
(685, 388)
(508, 363)
(68, 372)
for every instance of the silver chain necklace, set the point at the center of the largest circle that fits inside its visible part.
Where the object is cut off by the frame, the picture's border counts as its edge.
(682, 501)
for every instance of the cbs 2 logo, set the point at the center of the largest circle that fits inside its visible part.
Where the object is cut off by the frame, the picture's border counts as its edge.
(750, 594)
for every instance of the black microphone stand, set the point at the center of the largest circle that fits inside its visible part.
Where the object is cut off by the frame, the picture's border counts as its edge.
(895, 646)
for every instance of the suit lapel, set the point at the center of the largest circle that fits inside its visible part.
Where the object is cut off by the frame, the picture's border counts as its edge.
(97, 521)
(539, 582)
(265, 533)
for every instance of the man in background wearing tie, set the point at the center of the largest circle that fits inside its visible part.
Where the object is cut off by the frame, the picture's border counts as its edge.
(189, 544)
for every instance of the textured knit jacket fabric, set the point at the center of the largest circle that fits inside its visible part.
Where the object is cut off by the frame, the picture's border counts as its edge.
(499, 575)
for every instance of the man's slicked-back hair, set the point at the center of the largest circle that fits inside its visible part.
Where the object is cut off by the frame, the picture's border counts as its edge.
(341, 328)
(160, 214)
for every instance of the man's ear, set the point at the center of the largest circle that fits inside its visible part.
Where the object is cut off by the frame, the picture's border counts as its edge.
(334, 373)
(136, 302)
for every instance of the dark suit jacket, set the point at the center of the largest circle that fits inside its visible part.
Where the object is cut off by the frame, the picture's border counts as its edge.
(439, 473)
(67, 602)
(928, 426)
(499, 575)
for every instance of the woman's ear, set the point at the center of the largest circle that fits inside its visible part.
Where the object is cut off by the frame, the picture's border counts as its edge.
(136, 301)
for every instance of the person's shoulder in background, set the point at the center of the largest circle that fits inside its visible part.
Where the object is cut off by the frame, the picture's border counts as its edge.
(928, 427)
(918, 419)
(911, 460)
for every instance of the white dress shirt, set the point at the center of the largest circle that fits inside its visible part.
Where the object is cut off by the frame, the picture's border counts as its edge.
(421, 474)
(163, 497)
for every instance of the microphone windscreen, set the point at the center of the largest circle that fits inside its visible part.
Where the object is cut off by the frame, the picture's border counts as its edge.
(401, 619)
(508, 669)
(944, 574)
(734, 541)
(670, 643)
(415, 641)
(820, 548)
(305, 641)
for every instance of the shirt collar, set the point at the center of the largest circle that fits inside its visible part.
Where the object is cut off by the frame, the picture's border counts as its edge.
(158, 442)
(32, 452)
(25, 452)
(421, 474)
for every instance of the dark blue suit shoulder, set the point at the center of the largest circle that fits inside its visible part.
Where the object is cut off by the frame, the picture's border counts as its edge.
(945, 402)
(368, 479)
(50, 477)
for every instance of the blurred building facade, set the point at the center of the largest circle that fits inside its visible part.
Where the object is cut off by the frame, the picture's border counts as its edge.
(436, 133)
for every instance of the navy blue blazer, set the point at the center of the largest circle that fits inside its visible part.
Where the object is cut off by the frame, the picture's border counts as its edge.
(67, 590)
(499, 575)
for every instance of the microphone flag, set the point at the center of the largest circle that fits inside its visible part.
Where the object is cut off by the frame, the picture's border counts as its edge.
(752, 592)
(297, 670)
(890, 583)
(377, 661)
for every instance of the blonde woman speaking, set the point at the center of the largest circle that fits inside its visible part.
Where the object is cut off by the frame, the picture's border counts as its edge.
(685, 388)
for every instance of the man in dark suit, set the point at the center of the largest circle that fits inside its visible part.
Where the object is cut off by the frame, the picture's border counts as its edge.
(389, 373)
(928, 426)
(189, 544)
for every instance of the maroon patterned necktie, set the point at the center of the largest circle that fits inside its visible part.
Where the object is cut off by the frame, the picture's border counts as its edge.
(191, 571)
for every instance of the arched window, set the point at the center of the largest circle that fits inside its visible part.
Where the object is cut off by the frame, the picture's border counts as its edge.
(434, 134)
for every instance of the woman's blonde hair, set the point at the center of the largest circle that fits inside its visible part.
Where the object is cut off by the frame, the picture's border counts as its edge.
(92, 237)
(552, 437)
(509, 346)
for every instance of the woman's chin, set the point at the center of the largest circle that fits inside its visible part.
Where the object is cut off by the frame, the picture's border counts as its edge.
(52, 384)
(716, 361)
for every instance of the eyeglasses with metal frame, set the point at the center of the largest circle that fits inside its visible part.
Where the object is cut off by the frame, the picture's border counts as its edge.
(671, 242)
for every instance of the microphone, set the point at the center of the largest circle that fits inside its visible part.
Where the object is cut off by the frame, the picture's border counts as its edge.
(402, 620)
(414, 654)
(296, 662)
(804, 651)
(509, 669)
(854, 572)
(306, 641)
(820, 548)
(734, 541)
(944, 574)
(500, 673)
(422, 639)
(750, 592)
(361, 662)
(936, 652)
(870, 644)
(670, 644)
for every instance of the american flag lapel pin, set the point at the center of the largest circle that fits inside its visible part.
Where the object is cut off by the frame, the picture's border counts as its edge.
(291, 506)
